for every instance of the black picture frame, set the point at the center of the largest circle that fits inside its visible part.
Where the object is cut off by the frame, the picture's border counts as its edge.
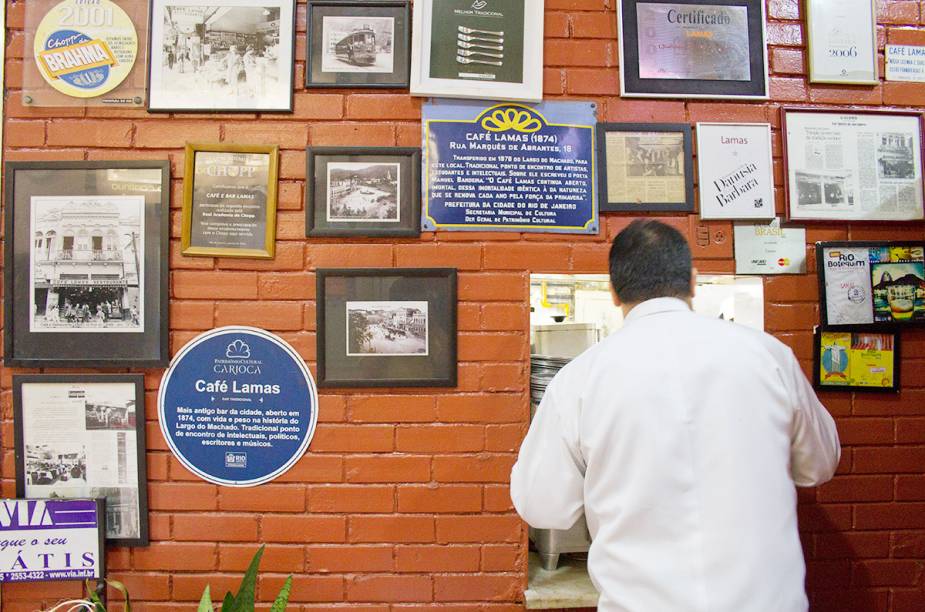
(820, 385)
(155, 59)
(859, 295)
(632, 85)
(143, 341)
(21, 414)
(616, 204)
(374, 296)
(399, 77)
(318, 220)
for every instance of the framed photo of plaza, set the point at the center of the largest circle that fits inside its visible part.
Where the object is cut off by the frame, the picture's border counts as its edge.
(845, 165)
(484, 49)
(842, 41)
(83, 436)
(363, 191)
(221, 56)
(85, 281)
(693, 49)
(358, 44)
(645, 167)
(229, 201)
(387, 327)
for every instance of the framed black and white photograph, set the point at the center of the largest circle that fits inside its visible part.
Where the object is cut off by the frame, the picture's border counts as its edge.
(363, 191)
(735, 171)
(358, 44)
(86, 264)
(842, 41)
(387, 327)
(83, 436)
(229, 56)
(845, 165)
(645, 167)
(693, 49)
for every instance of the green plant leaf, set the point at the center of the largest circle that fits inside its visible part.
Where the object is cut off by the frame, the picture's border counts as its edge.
(127, 606)
(244, 601)
(228, 603)
(205, 604)
(283, 598)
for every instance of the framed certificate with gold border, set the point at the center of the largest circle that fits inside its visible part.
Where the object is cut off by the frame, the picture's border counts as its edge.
(842, 41)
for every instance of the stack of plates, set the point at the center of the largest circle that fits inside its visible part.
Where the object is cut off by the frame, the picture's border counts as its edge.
(542, 370)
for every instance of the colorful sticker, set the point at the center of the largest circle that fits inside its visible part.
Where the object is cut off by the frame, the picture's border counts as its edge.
(85, 48)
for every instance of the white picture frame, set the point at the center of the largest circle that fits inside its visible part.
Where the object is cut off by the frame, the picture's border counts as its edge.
(528, 87)
(842, 42)
(735, 171)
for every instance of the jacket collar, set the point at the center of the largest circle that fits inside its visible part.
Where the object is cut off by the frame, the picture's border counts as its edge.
(656, 306)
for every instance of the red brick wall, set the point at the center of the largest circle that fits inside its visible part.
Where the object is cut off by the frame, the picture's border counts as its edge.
(402, 501)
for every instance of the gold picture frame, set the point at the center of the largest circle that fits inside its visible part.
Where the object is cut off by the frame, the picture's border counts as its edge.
(813, 8)
(241, 195)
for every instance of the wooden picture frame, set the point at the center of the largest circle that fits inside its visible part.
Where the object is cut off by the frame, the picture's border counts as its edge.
(843, 52)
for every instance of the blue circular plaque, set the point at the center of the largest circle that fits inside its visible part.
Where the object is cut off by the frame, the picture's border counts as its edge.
(238, 406)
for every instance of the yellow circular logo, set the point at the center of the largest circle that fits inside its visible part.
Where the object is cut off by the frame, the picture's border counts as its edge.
(86, 48)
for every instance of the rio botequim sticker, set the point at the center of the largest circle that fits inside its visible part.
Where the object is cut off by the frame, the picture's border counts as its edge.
(85, 48)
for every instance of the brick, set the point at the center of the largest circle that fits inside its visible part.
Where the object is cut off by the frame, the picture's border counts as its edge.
(175, 557)
(885, 460)
(266, 498)
(277, 316)
(485, 408)
(387, 469)
(478, 529)
(476, 588)
(857, 489)
(352, 134)
(175, 134)
(437, 558)
(304, 588)
(383, 106)
(89, 133)
(351, 499)
(502, 558)
(391, 529)
(219, 528)
(352, 559)
(460, 256)
(295, 286)
(368, 438)
(480, 468)
(526, 256)
(389, 588)
(287, 135)
(890, 516)
(276, 558)
(302, 528)
(439, 499)
(440, 438)
(188, 284)
(349, 255)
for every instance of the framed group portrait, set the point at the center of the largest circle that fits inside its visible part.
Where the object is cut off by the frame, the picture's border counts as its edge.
(85, 275)
(842, 41)
(693, 49)
(856, 360)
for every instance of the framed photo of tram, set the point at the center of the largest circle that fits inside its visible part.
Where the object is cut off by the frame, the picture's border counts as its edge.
(363, 191)
(83, 436)
(86, 252)
(221, 56)
(358, 44)
(387, 327)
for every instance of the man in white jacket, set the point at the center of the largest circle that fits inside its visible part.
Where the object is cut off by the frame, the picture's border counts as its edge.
(681, 438)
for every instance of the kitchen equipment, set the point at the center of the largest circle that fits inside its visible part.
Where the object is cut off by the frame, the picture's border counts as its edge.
(466, 53)
(466, 60)
(465, 45)
(564, 339)
(467, 38)
(466, 30)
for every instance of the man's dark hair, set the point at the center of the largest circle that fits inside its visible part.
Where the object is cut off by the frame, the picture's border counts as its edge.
(650, 259)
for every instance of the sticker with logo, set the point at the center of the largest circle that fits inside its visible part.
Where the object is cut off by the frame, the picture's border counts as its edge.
(848, 286)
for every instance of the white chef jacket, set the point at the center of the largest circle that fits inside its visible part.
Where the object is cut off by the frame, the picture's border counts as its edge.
(681, 438)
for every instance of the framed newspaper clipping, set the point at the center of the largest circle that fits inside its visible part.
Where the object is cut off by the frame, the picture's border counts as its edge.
(846, 165)
(842, 41)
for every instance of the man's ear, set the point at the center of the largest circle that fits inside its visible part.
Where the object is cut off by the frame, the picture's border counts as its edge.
(694, 274)
(615, 298)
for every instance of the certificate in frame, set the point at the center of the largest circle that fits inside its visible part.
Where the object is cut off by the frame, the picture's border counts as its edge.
(856, 360)
(842, 41)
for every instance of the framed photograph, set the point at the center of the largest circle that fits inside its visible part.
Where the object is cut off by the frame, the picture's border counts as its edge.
(86, 251)
(363, 191)
(464, 49)
(229, 201)
(358, 44)
(221, 56)
(842, 41)
(387, 327)
(83, 436)
(872, 284)
(735, 171)
(693, 49)
(853, 166)
(856, 361)
(645, 167)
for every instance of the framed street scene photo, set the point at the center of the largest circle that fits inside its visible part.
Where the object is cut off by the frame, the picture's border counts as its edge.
(387, 327)
(735, 171)
(483, 49)
(83, 436)
(842, 41)
(856, 361)
(853, 166)
(645, 167)
(358, 44)
(873, 284)
(85, 281)
(693, 49)
(363, 191)
(221, 56)
(229, 201)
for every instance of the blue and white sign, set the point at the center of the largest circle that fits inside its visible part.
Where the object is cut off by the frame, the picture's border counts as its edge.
(238, 406)
(510, 167)
(51, 539)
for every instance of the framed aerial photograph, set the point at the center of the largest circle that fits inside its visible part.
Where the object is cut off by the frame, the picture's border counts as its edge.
(83, 436)
(645, 167)
(871, 284)
(693, 49)
(229, 201)
(363, 191)
(735, 171)
(465, 49)
(86, 249)
(846, 165)
(842, 41)
(856, 361)
(387, 327)
(358, 44)
(221, 56)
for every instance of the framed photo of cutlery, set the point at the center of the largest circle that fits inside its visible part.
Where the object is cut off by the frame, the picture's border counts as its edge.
(464, 49)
